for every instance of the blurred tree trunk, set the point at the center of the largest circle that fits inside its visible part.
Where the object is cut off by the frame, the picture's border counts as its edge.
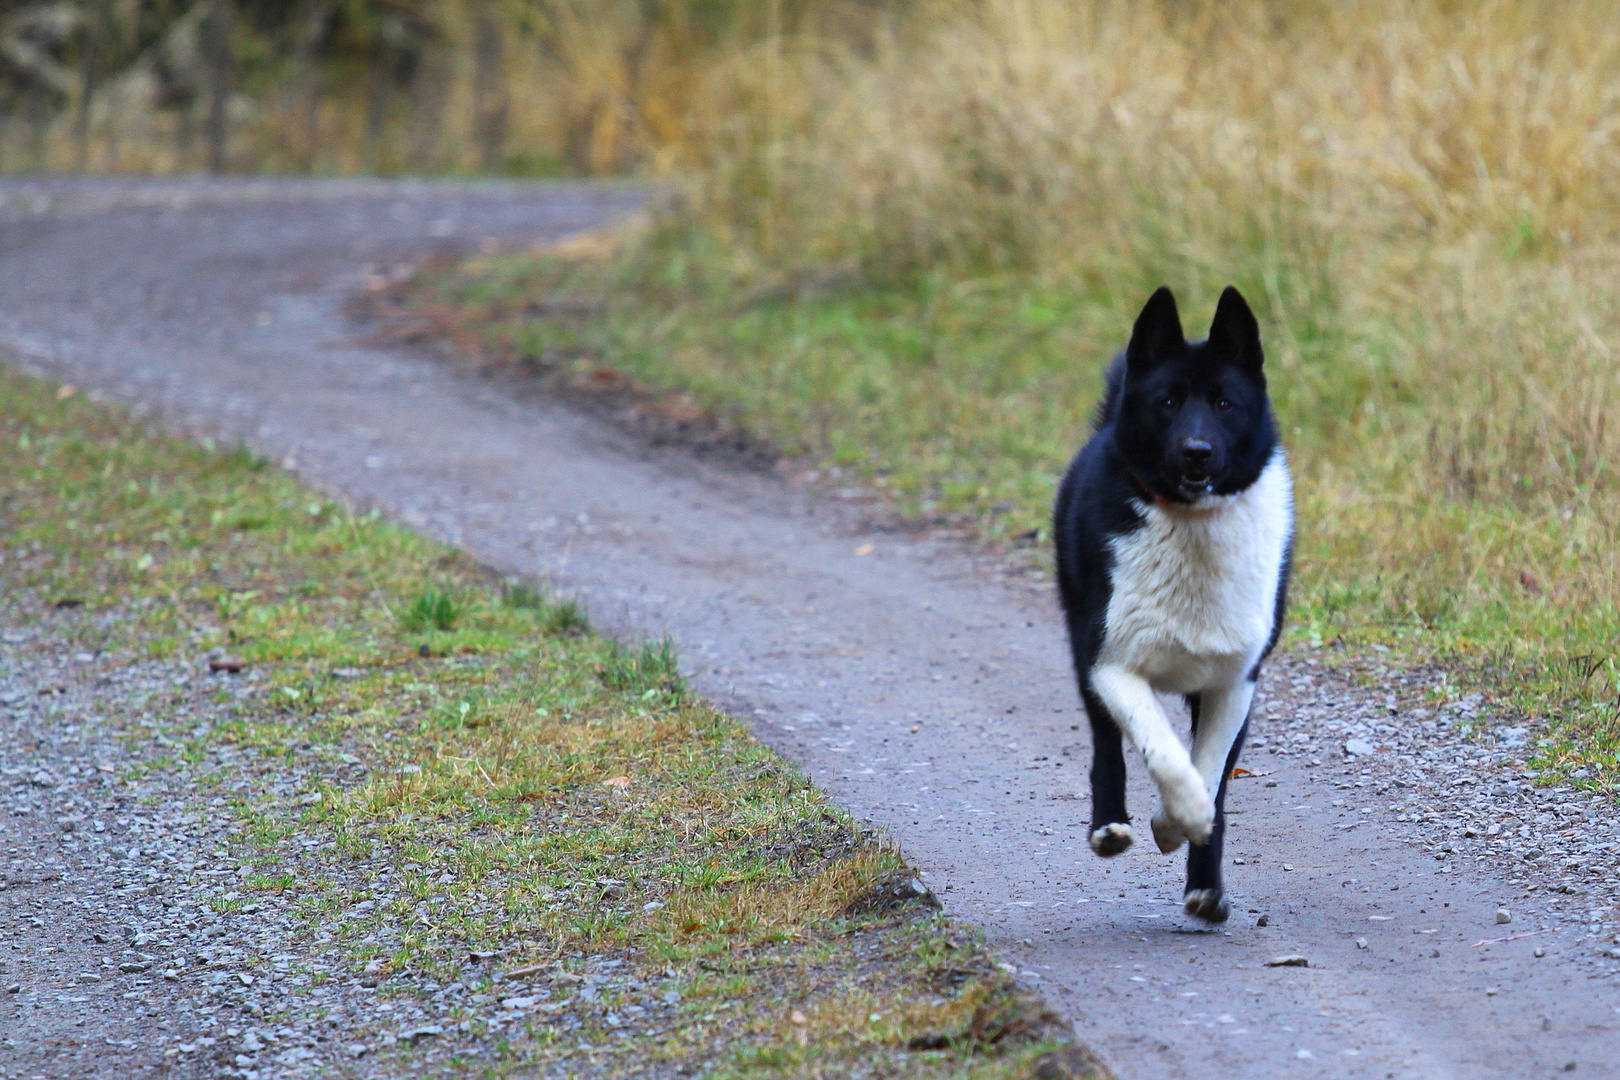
(92, 25)
(221, 74)
(379, 97)
(490, 100)
(39, 121)
(309, 33)
(312, 121)
(185, 134)
(429, 92)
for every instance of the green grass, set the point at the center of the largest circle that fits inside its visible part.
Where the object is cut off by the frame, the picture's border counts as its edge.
(963, 397)
(433, 610)
(482, 773)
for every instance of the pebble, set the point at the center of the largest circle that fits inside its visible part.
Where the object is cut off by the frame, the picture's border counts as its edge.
(1359, 748)
(526, 1002)
(1503, 915)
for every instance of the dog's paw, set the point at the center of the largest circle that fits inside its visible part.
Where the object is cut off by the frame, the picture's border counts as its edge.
(1167, 834)
(1207, 904)
(1189, 812)
(1111, 840)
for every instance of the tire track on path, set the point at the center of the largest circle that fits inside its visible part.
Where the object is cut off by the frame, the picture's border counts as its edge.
(218, 307)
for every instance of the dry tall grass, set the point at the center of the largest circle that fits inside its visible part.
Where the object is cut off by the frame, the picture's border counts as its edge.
(1422, 195)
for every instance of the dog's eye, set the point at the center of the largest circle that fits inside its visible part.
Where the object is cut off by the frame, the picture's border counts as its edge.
(1223, 405)
(1167, 402)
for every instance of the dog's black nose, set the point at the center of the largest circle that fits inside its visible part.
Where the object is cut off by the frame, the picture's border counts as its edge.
(1196, 454)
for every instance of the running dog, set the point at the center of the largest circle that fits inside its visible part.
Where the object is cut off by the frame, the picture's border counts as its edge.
(1174, 533)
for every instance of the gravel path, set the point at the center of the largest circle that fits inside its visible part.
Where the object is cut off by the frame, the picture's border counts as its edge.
(218, 307)
(117, 903)
(132, 948)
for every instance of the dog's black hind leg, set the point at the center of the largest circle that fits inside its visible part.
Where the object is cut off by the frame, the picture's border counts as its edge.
(1205, 896)
(1110, 825)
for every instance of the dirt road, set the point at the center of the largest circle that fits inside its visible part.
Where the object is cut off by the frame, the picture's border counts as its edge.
(923, 691)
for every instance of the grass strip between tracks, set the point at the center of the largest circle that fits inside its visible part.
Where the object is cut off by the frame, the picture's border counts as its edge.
(540, 793)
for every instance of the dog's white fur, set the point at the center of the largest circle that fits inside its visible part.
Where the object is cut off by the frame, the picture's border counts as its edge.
(1193, 601)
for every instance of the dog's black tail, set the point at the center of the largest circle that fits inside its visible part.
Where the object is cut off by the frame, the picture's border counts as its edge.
(1113, 387)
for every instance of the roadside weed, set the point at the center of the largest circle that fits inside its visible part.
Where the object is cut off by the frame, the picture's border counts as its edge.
(433, 610)
(643, 670)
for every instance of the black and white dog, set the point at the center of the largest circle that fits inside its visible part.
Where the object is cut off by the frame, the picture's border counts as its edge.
(1174, 529)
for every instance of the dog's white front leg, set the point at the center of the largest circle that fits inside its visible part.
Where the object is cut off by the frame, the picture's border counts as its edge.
(1188, 808)
(1221, 715)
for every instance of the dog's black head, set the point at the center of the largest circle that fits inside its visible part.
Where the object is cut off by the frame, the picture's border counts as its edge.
(1193, 418)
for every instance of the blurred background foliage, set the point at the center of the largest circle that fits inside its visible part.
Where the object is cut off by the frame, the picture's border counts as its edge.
(517, 87)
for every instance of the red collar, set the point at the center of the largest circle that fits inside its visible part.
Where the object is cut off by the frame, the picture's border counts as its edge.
(1162, 502)
(1157, 499)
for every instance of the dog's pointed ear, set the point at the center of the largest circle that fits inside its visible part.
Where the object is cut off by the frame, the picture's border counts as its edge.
(1234, 333)
(1156, 333)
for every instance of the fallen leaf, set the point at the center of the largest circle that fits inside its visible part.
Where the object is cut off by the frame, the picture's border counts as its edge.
(1292, 960)
(618, 782)
(527, 971)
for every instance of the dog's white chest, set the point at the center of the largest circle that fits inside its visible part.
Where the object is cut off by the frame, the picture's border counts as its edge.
(1194, 590)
